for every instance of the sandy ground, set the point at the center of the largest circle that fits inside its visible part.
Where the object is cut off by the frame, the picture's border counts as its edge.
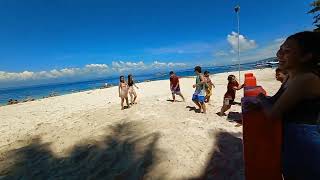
(86, 136)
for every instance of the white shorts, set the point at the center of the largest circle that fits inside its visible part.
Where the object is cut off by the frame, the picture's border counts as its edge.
(227, 101)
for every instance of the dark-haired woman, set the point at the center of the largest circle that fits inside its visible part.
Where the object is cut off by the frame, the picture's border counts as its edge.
(298, 105)
(230, 95)
(132, 92)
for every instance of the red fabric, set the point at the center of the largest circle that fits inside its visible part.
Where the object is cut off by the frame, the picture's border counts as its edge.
(174, 80)
(231, 92)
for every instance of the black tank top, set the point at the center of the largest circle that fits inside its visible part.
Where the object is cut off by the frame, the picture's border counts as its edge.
(306, 111)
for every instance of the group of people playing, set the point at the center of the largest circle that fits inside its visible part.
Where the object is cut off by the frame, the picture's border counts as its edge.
(297, 102)
(203, 88)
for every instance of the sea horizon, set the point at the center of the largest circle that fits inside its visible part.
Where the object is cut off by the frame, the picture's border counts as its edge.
(45, 90)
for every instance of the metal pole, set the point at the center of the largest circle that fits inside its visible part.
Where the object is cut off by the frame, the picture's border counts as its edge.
(237, 9)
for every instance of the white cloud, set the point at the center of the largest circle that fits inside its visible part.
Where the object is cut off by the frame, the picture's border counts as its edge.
(170, 64)
(220, 53)
(264, 52)
(90, 69)
(157, 64)
(245, 44)
(120, 66)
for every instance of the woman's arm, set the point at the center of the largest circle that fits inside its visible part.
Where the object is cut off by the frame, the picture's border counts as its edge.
(300, 87)
(238, 87)
(119, 89)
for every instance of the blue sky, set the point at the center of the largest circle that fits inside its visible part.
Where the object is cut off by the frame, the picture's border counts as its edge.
(42, 39)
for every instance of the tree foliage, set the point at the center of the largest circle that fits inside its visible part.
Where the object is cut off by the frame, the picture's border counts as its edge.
(316, 11)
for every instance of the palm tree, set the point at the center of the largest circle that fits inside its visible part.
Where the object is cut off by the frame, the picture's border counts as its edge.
(316, 10)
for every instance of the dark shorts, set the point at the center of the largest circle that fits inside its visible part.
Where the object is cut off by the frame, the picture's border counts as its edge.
(198, 98)
(176, 91)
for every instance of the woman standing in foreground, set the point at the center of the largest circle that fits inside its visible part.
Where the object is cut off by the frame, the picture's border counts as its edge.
(298, 105)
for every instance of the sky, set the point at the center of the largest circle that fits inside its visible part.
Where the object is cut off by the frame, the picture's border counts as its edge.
(47, 41)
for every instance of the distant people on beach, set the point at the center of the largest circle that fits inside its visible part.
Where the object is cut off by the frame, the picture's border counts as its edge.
(132, 92)
(230, 95)
(12, 101)
(209, 86)
(123, 92)
(298, 105)
(281, 75)
(199, 94)
(175, 86)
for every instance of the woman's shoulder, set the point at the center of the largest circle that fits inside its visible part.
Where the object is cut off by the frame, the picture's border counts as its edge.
(308, 82)
(306, 77)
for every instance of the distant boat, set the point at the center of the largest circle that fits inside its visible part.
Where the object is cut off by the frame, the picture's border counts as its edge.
(268, 64)
(273, 63)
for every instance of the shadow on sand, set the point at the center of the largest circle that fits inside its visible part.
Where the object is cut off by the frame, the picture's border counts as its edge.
(235, 116)
(170, 100)
(192, 108)
(226, 161)
(122, 154)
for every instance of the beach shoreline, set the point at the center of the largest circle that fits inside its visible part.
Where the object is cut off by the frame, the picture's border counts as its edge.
(21, 94)
(171, 139)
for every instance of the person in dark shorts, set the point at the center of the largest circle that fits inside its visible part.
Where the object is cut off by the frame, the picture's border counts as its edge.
(230, 95)
(175, 86)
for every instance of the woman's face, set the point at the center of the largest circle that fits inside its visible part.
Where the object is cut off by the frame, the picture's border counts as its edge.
(289, 55)
(122, 79)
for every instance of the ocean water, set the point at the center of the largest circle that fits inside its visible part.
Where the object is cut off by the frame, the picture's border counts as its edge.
(65, 88)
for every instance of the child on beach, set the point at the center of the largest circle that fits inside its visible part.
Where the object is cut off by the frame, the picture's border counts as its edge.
(175, 86)
(230, 95)
(281, 75)
(199, 94)
(123, 92)
(132, 92)
(209, 86)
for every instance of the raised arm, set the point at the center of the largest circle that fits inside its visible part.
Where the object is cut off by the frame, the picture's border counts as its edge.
(238, 87)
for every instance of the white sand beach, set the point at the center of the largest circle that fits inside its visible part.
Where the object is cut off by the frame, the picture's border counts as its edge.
(85, 135)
